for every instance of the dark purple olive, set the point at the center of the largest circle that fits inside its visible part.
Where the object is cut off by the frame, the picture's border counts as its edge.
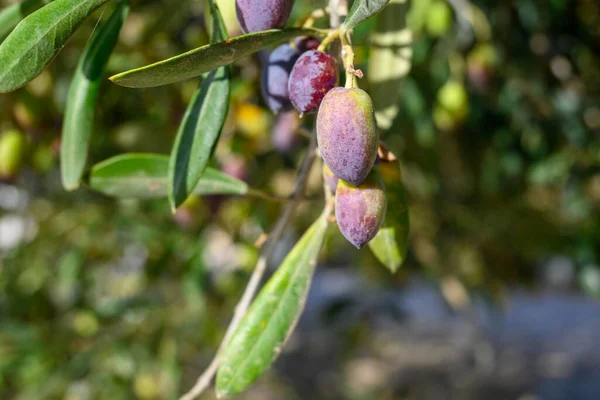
(262, 15)
(276, 73)
(314, 74)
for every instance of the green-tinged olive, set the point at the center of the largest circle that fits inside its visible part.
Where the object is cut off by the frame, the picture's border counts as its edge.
(12, 149)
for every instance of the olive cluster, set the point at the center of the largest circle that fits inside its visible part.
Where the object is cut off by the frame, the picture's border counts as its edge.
(301, 76)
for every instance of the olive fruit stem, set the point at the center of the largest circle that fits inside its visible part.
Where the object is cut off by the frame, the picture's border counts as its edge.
(331, 36)
(309, 21)
(348, 58)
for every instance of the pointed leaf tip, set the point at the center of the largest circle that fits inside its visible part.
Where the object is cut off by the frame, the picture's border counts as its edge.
(196, 62)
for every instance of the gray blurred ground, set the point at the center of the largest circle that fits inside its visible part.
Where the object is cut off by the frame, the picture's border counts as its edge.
(358, 343)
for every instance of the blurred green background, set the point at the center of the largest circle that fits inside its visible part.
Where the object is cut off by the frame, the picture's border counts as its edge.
(499, 139)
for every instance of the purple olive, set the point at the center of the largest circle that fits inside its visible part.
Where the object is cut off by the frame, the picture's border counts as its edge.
(276, 73)
(347, 133)
(262, 15)
(314, 74)
(360, 210)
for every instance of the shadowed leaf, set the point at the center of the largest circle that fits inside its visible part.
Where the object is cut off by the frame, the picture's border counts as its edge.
(201, 127)
(83, 95)
(391, 243)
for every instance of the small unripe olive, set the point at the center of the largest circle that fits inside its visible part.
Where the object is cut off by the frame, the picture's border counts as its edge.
(12, 149)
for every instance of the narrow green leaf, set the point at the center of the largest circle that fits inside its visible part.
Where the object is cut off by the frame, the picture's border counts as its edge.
(83, 96)
(38, 39)
(391, 243)
(390, 61)
(272, 317)
(145, 176)
(206, 58)
(201, 127)
(362, 10)
(12, 15)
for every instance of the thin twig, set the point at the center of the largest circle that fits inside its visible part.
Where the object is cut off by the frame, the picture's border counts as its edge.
(205, 379)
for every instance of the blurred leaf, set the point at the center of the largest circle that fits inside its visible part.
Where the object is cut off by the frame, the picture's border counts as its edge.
(38, 39)
(145, 176)
(201, 126)
(391, 243)
(12, 15)
(362, 10)
(83, 95)
(272, 316)
(390, 61)
(206, 58)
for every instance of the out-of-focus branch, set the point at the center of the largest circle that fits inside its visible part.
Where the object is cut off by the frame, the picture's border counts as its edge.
(289, 212)
(337, 10)
(470, 17)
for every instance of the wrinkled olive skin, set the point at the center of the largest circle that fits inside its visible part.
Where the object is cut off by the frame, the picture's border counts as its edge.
(360, 210)
(276, 72)
(347, 133)
(314, 74)
(330, 179)
(262, 15)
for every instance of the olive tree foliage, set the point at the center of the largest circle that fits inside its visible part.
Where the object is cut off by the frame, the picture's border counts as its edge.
(362, 183)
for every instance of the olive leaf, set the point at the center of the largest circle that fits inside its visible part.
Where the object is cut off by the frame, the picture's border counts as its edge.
(33, 44)
(83, 95)
(206, 58)
(272, 317)
(145, 176)
(391, 243)
(12, 15)
(201, 127)
(362, 10)
(390, 61)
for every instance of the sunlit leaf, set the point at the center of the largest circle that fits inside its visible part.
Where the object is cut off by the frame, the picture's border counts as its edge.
(33, 44)
(391, 243)
(83, 95)
(362, 10)
(12, 15)
(201, 126)
(145, 176)
(206, 58)
(390, 61)
(272, 316)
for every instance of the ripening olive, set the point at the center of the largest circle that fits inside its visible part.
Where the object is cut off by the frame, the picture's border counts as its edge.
(347, 133)
(360, 210)
(262, 15)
